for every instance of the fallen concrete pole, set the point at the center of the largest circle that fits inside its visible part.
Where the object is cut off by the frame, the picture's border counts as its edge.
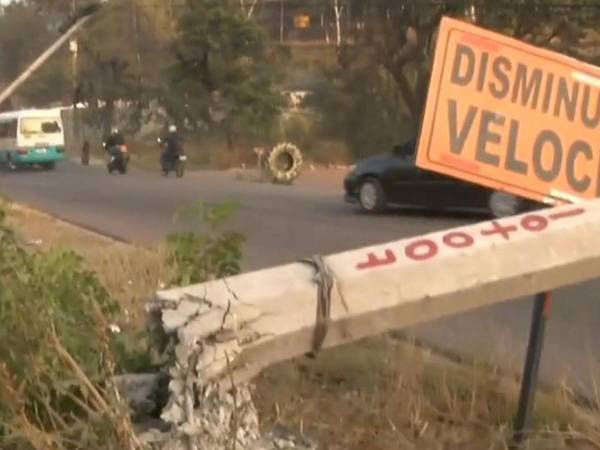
(267, 316)
(224, 332)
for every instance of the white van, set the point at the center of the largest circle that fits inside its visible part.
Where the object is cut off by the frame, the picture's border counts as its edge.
(32, 137)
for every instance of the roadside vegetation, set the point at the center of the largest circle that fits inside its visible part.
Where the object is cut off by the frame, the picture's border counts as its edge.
(382, 393)
(57, 356)
(70, 323)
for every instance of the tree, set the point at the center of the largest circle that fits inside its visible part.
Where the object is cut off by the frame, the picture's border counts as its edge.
(16, 48)
(107, 80)
(398, 36)
(360, 106)
(223, 76)
(338, 9)
(19, 49)
(248, 7)
(120, 53)
(564, 26)
(121, 59)
(374, 93)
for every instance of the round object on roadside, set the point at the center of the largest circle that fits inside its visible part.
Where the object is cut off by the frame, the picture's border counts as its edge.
(502, 204)
(285, 162)
(371, 196)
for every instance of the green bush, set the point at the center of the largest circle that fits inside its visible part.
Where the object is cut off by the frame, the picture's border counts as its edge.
(198, 256)
(55, 353)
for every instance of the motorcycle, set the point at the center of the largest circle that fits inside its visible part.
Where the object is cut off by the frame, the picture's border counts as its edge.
(175, 163)
(118, 158)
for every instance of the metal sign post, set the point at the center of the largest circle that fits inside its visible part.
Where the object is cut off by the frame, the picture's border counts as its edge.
(541, 312)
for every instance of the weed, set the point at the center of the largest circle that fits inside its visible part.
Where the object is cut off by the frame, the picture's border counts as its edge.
(198, 256)
(56, 353)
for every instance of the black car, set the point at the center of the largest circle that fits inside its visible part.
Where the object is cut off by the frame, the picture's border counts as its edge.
(394, 179)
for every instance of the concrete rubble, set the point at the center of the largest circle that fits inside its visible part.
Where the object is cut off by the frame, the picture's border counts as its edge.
(196, 411)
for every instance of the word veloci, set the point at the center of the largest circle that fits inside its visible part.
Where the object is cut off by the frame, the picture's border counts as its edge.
(533, 88)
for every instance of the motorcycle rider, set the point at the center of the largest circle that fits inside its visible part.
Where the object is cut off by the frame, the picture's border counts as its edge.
(172, 145)
(116, 150)
(114, 140)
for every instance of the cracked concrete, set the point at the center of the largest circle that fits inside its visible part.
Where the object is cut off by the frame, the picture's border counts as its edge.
(203, 340)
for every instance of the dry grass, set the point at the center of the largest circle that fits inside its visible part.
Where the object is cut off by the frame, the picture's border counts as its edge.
(382, 394)
(377, 394)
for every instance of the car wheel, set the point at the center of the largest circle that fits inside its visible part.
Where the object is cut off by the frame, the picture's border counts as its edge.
(49, 166)
(371, 196)
(502, 204)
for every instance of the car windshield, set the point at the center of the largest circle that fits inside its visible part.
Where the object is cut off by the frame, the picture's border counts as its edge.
(34, 125)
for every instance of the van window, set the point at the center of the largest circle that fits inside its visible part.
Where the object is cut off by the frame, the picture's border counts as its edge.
(8, 130)
(32, 125)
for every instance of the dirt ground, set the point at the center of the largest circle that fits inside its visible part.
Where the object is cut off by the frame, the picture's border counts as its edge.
(377, 394)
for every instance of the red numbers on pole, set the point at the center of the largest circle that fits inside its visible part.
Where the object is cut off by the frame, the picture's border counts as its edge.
(421, 250)
(565, 214)
(458, 239)
(373, 261)
(502, 230)
(424, 249)
(534, 222)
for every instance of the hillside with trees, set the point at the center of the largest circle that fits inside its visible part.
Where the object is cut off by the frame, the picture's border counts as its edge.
(220, 68)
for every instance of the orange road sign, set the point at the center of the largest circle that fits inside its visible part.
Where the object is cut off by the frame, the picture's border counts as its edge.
(512, 116)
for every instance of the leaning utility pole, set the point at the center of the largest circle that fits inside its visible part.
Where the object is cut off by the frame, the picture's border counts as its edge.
(77, 21)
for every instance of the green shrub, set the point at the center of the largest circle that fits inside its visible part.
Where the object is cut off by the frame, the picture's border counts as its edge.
(55, 353)
(202, 255)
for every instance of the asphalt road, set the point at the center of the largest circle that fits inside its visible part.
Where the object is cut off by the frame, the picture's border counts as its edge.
(284, 224)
